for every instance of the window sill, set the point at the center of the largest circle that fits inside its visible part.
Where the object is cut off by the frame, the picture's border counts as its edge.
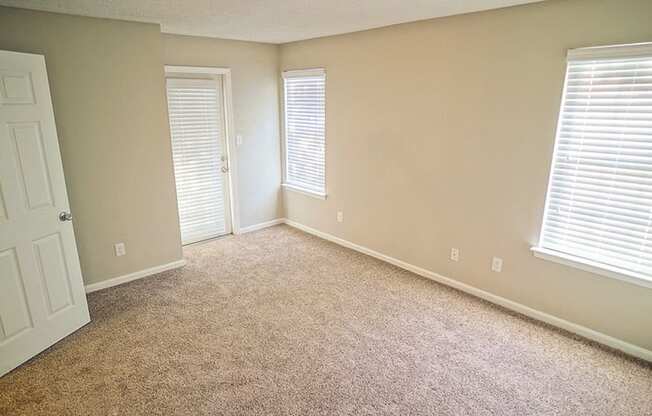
(304, 191)
(592, 266)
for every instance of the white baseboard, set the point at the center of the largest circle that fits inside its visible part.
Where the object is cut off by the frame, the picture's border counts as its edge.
(583, 331)
(134, 276)
(260, 226)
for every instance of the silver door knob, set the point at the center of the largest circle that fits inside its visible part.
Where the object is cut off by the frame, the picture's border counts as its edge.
(65, 216)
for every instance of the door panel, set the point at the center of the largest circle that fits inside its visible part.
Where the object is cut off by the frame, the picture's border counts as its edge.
(14, 315)
(42, 295)
(16, 87)
(54, 275)
(3, 208)
(33, 171)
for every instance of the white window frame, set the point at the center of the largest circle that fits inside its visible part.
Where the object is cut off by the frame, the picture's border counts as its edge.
(284, 184)
(211, 72)
(611, 51)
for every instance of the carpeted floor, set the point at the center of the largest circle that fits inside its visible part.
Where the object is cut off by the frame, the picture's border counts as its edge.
(278, 322)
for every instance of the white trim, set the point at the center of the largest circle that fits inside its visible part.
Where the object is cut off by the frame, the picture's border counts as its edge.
(312, 72)
(303, 191)
(197, 70)
(583, 331)
(231, 152)
(546, 203)
(93, 287)
(261, 225)
(633, 50)
(592, 266)
(232, 160)
(284, 154)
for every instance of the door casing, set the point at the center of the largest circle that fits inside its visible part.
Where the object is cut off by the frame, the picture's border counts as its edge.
(197, 72)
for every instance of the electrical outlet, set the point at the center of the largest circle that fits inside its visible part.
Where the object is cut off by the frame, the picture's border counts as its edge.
(497, 264)
(455, 254)
(120, 249)
(340, 216)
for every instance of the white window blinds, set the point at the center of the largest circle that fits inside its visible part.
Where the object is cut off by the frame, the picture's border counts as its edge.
(599, 202)
(305, 139)
(197, 129)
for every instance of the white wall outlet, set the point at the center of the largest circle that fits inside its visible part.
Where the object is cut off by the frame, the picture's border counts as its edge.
(340, 216)
(455, 254)
(497, 264)
(120, 249)
(238, 140)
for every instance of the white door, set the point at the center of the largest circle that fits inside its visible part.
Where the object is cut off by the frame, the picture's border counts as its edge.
(42, 296)
(197, 125)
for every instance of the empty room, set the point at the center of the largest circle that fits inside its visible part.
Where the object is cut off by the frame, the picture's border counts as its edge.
(326, 207)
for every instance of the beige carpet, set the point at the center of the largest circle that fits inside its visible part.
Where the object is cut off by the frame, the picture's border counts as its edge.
(281, 323)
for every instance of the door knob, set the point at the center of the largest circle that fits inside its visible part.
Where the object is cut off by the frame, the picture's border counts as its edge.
(65, 216)
(225, 169)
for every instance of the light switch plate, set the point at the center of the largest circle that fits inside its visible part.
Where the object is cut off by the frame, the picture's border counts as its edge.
(120, 249)
(497, 264)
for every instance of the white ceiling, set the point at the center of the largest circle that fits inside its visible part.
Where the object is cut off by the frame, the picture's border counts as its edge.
(273, 21)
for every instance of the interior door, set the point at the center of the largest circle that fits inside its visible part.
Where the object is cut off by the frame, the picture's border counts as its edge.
(197, 125)
(42, 296)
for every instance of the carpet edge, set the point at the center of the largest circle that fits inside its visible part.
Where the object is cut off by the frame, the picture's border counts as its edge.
(593, 335)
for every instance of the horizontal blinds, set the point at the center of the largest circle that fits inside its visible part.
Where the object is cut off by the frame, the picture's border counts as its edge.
(599, 203)
(196, 126)
(305, 130)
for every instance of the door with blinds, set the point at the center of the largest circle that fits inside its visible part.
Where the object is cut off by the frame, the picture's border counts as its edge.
(198, 128)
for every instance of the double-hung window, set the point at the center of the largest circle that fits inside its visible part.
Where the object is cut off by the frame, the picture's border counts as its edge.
(305, 132)
(598, 213)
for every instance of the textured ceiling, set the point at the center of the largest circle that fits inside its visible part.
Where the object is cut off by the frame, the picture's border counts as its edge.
(273, 21)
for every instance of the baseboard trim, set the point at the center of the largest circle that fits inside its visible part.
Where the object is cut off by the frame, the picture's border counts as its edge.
(134, 276)
(261, 225)
(583, 331)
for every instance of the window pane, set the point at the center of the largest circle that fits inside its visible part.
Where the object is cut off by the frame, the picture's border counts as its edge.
(599, 202)
(304, 131)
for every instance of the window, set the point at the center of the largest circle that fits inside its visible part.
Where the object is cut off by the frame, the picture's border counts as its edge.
(305, 137)
(598, 212)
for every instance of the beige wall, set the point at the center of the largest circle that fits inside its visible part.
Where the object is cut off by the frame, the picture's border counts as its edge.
(254, 73)
(107, 85)
(439, 135)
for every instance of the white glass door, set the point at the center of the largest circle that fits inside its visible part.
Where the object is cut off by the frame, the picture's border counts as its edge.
(197, 124)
